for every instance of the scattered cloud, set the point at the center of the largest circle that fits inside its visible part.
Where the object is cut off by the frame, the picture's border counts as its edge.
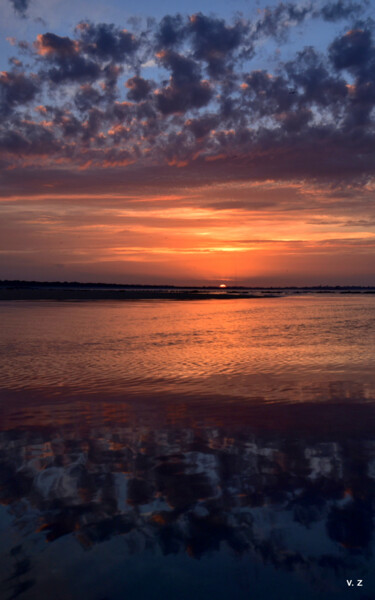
(20, 6)
(207, 107)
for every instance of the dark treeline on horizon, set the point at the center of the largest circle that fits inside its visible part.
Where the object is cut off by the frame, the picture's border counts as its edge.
(18, 283)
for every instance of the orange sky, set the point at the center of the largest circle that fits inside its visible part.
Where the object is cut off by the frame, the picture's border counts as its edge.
(189, 149)
(260, 233)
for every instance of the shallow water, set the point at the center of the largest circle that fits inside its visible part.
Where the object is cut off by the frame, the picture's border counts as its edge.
(232, 348)
(186, 449)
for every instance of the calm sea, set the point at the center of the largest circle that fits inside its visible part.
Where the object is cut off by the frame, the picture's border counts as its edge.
(180, 450)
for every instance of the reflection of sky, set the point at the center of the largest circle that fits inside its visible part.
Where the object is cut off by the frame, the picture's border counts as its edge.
(193, 500)
(275, 349)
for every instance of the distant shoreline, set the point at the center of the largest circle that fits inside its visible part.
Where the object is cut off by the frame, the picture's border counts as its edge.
(82, 293)
(32, 284)
(123, 295)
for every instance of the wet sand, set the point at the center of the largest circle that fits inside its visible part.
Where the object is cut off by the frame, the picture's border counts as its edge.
(40, 408)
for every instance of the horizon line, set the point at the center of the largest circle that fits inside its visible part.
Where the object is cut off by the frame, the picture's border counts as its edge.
(27, 282)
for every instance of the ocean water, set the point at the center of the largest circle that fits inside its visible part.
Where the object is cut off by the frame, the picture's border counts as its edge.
(177, 450)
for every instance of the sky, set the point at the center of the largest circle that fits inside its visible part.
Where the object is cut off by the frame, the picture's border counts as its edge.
(186, 143)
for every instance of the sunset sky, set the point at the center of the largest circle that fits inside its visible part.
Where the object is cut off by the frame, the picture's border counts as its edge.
(188, 142)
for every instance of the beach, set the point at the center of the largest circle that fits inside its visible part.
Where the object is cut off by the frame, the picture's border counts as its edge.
(202, 448)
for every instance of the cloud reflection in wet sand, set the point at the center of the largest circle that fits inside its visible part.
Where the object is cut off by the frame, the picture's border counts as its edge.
(296, 503)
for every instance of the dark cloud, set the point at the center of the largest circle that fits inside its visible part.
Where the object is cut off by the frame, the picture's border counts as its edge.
(65, 56)
(180, 99)
(56, 47)
(16, 89)
(106, 41)
(352, 50)
(31, 139)
(67, 124)
(309, 73)
(184, 70)
(211, 39)
(98, 52)
(295, 121)
(265, 94)
(139, 88)
(207, 108)
(276, 21)
(171, 31)
(214, 42)
(355, 52)
(342, 9)
(20, 6)
(77, 68)
(86, 97)
(186, 89)
(202, 126)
